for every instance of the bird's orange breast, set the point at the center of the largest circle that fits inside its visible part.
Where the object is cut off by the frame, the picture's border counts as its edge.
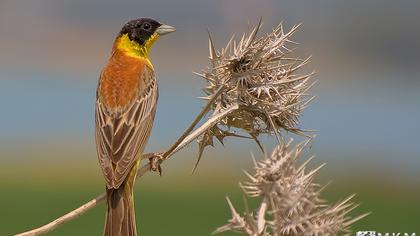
(120, 81)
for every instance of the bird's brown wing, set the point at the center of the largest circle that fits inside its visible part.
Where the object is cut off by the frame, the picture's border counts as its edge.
(121, 135)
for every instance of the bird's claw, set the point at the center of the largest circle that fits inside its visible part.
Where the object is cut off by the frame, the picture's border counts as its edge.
(155, 161)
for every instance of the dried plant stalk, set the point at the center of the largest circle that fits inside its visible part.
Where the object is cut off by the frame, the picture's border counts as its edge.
(146, 168)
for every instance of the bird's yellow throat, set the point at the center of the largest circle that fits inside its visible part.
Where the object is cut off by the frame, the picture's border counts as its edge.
(136, 50)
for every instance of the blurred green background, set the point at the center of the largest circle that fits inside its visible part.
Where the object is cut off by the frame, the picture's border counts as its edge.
(366, 53)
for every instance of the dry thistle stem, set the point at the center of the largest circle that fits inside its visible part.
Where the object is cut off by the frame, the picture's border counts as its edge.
(262, 76)
(291, 203)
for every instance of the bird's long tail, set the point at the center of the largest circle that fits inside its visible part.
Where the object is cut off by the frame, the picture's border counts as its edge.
(121, 216)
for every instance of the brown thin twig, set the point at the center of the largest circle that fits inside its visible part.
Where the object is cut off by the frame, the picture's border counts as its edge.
(65, 218)
(191, 136)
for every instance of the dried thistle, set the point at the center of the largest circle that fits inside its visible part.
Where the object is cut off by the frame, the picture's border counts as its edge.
(254, 86)
(291, 203)
(262, 77)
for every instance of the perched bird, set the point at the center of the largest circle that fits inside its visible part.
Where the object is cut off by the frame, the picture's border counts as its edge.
(126, 100)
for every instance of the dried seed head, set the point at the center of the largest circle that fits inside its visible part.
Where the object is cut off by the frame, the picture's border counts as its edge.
(262, 77)
(290, 200)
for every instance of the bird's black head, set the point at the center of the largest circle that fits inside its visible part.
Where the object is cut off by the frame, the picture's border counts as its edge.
(142, 29)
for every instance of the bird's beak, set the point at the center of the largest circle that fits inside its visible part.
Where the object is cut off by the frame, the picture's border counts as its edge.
(164, 29)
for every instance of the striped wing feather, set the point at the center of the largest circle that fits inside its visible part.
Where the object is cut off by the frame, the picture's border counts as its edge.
(121, 135)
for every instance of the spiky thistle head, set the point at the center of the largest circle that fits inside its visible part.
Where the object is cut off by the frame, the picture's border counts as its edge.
(290, 200)
(262, 77)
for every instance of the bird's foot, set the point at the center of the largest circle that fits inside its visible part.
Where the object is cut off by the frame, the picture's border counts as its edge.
(155, 161)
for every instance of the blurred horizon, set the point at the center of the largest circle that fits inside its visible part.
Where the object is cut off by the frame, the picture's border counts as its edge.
(367, 72)
(366, 113)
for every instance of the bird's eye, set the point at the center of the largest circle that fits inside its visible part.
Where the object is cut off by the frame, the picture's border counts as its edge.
(146, 26)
